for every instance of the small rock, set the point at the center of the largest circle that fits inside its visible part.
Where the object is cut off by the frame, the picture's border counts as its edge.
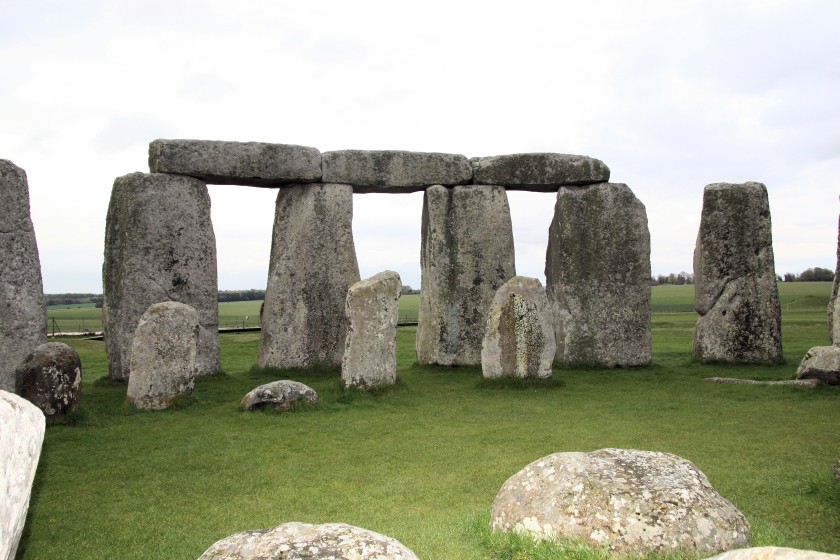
(837, 468)
(821, 362)
(280, 395)
(773, 553)
(51, 379)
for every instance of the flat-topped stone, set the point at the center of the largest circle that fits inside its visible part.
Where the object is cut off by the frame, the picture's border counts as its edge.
(256, 164)
(541, 172)
(394, 171)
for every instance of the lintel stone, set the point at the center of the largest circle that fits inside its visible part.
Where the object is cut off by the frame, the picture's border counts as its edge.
(394, 171)
(539, 172)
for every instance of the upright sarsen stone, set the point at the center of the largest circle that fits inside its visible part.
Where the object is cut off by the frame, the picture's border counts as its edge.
(313, 263)
(834, 303)
(23, 312)
(159, 246)
(598, 276)
(466, 255)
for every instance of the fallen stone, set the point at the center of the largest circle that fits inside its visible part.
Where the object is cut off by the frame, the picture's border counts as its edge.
(598, 277)
(370, 350)
(302, 541)
(466, 254)
(23, 311)
(634, 502)
(51, 378)
(821, 363)
(159, 246)
(773, 553)
(811, 383)
(519, 340)
(281, 395)
(22, 428)
(163, 354)
(735, 278)
(393, 171)
(540, 172)
(255, 164)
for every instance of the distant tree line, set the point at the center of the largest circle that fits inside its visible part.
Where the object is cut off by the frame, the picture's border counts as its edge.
(815, 274)
(73, 299)
(675, 279)
(241, 295)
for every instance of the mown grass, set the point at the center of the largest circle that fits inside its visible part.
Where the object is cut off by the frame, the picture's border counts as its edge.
(423, 462)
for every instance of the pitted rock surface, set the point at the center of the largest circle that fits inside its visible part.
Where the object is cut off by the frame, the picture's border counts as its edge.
(539, 171)
(635, 502)
(282, 396)
(821, 362)
(51, 378)
(773, 553)
(302, 541)
(394, 171)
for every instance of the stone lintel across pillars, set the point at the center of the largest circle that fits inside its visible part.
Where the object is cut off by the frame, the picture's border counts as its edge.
(540, 172)
(393, 171)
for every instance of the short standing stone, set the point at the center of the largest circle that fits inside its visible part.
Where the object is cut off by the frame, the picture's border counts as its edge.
(834, 303)
(23, 312)
(21, 435)
(236, 163)
(51, 379)
(598, 276)
(394, 171)
(634, 502)
(542, 172)
(466, 255)
(773, 553)
(519, 341)
(281, 395)
(370, 350)
(302, 541)
(735, 278)
(163, 354)
(821, 362)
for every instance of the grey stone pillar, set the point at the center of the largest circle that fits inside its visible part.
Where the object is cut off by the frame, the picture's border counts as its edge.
(834, 304)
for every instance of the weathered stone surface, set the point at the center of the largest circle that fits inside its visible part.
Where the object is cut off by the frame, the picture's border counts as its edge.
(302, 541)
(313, 263)
(810, 383)
(281, 395)
(370, 349)
(834, 302)
(773, 553)
(519, 340)
(236, 163)
(23, 311)
(598, 276)
(21, 436)
(466, 255)
(541, 172)
(394, 171)
(821, 362)
(735, 278)
(837, 468)
(159, 246)
(635, 502)
(163, 354)
(51, 378)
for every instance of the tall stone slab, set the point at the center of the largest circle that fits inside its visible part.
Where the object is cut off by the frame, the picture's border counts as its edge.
(159, 246)
(598, 276)
(834, 303)
(313, 263)
(466, 255)
(23, 311)
(735, 278)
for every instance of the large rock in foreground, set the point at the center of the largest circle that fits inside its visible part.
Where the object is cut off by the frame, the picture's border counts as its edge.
(541, 172)
(282, 396)
(302, 541)
(634, 502)
(821, 362)
(51, 378)
(773, 553)
(394, 171)
(23, 311)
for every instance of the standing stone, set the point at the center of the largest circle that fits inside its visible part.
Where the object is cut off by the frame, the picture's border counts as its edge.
(834, 303)
(159, 246)
(313, 263)
(370, 350)
(519, 341)
(598, 276)
(163, 354)
(541, 172)
(735, 278)
(466, 254)
(51, 378)
(23, 311)
(21, 436)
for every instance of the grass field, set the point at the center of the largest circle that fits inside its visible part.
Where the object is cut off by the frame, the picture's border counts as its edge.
(423, 462)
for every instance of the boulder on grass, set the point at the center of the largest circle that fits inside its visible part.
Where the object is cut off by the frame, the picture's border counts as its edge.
(773, 553)
(821, 362)
(281, 395)
(51, 378)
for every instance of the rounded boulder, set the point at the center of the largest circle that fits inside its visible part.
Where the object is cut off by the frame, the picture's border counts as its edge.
(50, 377)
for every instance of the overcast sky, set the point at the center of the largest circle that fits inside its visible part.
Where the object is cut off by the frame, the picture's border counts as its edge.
(671, 95)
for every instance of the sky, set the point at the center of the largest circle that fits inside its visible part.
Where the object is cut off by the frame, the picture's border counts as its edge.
(672, 95)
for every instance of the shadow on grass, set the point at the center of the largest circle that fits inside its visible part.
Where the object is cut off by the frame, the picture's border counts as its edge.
(519, 383)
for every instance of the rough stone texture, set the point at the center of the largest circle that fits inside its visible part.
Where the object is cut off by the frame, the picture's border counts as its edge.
(394, 171)
(636, 502)
(313, 263)
(236, 163)
(837, 469)
(598, 276)
(821, 362)
(466, 255)
(159, 246)
(370, 349)
(23, 311)
(51, 378)
(519, 341)
(163, 354)
(810, 383)
(21, 435)
(541, 172)
(302, 541)
(834, 302)
(281, 395)
(773, 553)
(735, 278)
